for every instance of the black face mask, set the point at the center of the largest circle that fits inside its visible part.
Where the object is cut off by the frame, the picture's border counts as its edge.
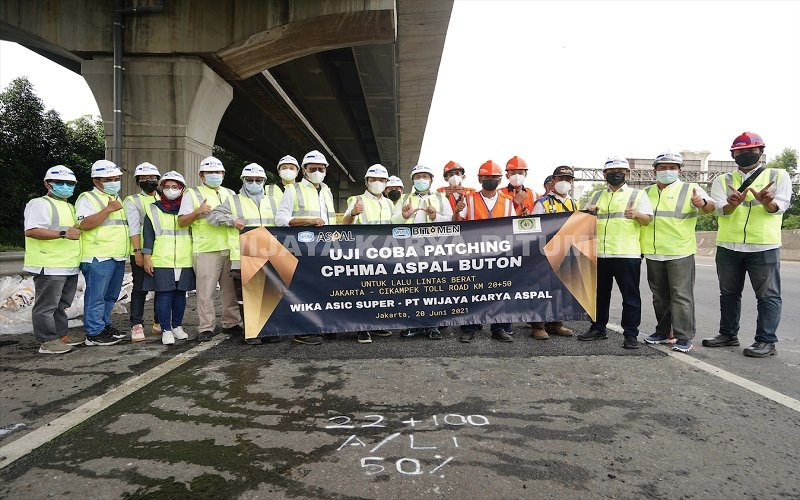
(747, 159)
(148, 186)
(616, 178)
(394, 195)
(491, 184)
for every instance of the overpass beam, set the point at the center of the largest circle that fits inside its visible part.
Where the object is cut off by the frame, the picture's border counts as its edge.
(172, 107)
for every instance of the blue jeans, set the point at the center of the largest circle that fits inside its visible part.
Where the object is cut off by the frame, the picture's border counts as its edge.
(764, 269)
(169, 308)
(103, 283)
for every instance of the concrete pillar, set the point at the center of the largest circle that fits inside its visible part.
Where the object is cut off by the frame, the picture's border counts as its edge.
(172, 107)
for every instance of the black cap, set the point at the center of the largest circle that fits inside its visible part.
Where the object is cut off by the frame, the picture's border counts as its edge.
(547, 179)
(564, 170)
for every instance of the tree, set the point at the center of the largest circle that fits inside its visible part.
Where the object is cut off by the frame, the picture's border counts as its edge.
(787, 160)
(233, 168)
(587, 196)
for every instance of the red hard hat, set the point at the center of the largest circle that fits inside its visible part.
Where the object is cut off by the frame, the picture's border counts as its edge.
(452, 165)
(516, 163)
(490, 168)
(747, 140)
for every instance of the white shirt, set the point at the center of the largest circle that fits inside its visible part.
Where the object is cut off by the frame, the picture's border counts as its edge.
(187, 202)
(420, 217)
(135, 219)
(783, 193)
(663, 258)
(85, 208)
(286, 206)
(38, 215)
(643, 206)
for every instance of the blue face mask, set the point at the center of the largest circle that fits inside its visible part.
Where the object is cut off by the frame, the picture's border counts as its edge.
(62, 190)
(112, 188)
(422, 185)
(667, 176)
(213, 180)
(254, 187)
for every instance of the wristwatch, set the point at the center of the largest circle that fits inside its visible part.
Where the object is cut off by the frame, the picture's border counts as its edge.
(62, 234)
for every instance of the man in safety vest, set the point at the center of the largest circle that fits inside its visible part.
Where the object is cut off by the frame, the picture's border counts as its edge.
(211, 250)
(105, 246)
(52, 256)
(394, 189)
(254, 206)
(621, 212)
(455, 190)
(488, 203)
(556, 202)
(146, 176)
(669, 244)
(524, 198)
(308, 203)
(288, 168)
(750, 203)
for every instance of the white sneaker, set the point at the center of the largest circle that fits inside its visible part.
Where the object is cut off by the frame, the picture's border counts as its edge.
(167, 338)
(137, 333)
(178, 333)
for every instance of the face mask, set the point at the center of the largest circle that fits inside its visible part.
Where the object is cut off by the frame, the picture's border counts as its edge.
(316, 177)
(454, 181)
(288, 174)
(747, 159)
(213, 180)
(616, 178)
(172, 193)
(254, 187)
(376, 187)
(62, 191)
(422, 185)
(112, 188)
(148, 186)
(563, 187)
(491, 184)
(667, 176)
(394, 195)
(516, 180)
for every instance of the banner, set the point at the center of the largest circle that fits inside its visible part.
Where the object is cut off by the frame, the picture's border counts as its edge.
(307, 280)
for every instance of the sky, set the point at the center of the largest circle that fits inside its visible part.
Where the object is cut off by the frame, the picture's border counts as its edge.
(573, 82)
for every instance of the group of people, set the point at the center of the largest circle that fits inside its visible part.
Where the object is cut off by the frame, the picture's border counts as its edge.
(179, 238)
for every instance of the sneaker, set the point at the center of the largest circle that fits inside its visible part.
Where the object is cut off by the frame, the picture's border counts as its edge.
(412, 332)
(234, 330)
(115, 333)
(382, 333)
(167, 338)
(466, 337)
(74, 338)
(156, 329)
(178, 333)
(502, 336)
(56, 346)
(205, 336)
(105, 338)
(657, 338)
(630, 342)
(364, 338)
(434, 334)
(137, 333)
(540, 334)
(307, 339)
(721, 341)
(593, 335)
(682, 345)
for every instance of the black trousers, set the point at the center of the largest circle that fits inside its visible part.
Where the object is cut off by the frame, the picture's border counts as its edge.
(626, 272)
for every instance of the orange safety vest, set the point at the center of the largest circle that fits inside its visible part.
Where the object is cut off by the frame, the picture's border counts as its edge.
(452, 199)
(530, 199)
(477, 209)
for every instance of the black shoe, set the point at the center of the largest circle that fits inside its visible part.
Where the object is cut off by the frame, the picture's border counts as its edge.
(255, 341)
(329, 336)
(630, 342)
(271, 339)
(760, 350)
(592, 335)
(434, 334)
(364, 338)
(307, 339)
(115, 333)
(502, 336)
(412, 332)
(382, 333)
(466, 337)
(234, 330)
(205, 336)
(721, 341)
(105, 338)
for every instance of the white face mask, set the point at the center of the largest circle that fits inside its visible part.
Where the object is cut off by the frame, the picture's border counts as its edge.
(288, 174)
(316, 177)
(172, 193)
(563, 187)
(516, 180)
(454, 181)
(376, 187)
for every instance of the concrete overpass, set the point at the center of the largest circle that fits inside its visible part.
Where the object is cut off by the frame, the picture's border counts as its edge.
(351, 78)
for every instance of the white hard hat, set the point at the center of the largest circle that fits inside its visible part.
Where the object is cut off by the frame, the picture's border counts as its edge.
(616, 162)
(211, 164)
(288, 159)
(146, 169)
(314, 157)
(669, 157)
(421, 169)
(59, 173)
(253, 170)
(395, 181)
(172, 176)
(377, 171)
(105, 168)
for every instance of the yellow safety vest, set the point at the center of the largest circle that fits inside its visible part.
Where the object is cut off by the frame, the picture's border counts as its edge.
(617, 235)
(111, 238)
(375, 211)
(60, 252)
(243, 207)
(139, 201)
(552, 205)
(172, 248)
(205, 237)
(306, 201)
(435, 199)
(671, 232)
(750, 222)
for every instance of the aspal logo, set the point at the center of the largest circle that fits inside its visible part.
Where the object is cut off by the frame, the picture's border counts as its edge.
(401, 232)
(527, 225)
(336, 236)
(433, 231)
(306, 237)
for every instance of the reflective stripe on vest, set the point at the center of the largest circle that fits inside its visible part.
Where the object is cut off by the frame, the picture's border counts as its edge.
(503, 207)
(415, 200)
(111, 238)
(672, 230)
(138, 201)
(552, 205)
(172, 248)
(306, 201)
(750, 222)
(375, 211)
(59, 252)
(617, 235)
(205, 237)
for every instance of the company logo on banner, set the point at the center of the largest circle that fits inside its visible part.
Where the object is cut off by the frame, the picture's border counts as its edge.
(367, 277)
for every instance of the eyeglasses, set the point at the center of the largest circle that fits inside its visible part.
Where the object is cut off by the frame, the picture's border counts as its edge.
(257, 181)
